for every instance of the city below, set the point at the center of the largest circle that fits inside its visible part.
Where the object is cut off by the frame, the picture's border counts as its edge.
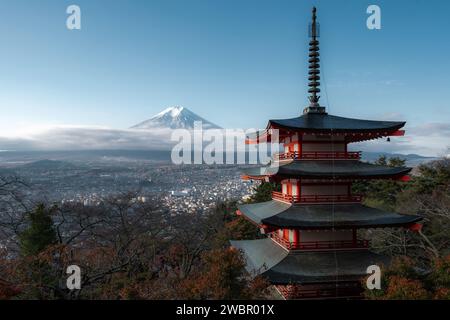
(90, 177)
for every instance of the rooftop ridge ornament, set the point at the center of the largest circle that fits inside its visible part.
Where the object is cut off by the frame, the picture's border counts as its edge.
(314, 68)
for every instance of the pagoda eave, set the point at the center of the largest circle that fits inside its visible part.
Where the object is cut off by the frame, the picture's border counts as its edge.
(276, 214)
(326, 169)
(325, 123)
(267, 258)
(350, 136)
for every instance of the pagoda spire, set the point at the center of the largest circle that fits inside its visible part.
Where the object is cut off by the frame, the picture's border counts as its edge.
(314, 67)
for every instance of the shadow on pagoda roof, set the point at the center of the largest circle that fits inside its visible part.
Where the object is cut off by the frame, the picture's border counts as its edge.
(326, 122)
(327, 169)
(267, 258)
(323, 216)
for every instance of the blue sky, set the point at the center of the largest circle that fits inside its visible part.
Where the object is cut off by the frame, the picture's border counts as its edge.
(236, 63)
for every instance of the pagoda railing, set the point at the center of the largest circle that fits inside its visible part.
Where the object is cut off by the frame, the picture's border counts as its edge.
(319, 245)
(315, 198)
(299, 292)
(319, 155)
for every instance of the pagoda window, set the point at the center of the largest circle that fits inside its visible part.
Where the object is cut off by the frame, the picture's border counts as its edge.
(293, 236)
(284, 188)
(291, 147)
(290, 187)
(295, 188)
(280, 233)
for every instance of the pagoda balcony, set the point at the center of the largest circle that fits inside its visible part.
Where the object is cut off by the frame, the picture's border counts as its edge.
(316, 198)
(303, 292)
(318, 155)
(320, 245)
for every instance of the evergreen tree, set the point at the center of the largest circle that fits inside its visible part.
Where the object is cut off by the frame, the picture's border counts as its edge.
(40, 232)
(263, 192)
(381, 194)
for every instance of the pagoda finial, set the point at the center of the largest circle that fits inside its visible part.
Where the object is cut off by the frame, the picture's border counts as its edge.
(314, 67)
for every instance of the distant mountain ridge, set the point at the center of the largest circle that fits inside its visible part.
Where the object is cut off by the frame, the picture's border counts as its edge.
(410, 159)
(175, 118)
(39, 160)
(46, 164)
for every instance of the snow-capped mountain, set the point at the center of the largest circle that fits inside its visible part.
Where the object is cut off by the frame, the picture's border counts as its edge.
(175, 118)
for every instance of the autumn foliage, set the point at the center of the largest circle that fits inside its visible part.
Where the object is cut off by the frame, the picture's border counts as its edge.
(223, 276)
(404, 280)
(129, 251)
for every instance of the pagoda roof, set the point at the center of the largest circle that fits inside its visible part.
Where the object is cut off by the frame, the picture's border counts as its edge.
(322, 216)
(325, 122)
(322, 123)
(267, 258)
(326, 169)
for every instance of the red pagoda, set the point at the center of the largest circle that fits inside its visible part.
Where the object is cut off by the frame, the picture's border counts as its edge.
(313, 247)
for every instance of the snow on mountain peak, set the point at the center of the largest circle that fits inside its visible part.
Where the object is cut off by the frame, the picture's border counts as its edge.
(173, 111)
(175, 118)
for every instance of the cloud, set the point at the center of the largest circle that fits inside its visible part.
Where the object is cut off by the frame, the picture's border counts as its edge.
(428, 139)
(432, 129)
(391, 116)
(102, 138)
(88, 138)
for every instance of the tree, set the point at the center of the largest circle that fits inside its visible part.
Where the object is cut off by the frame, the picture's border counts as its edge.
(7, 291)
(241, 229)
(431, 176)
(404, 279)
(381, 194)
(13, 210)
(119, 239)
(405, 289)
(263, 192)
(40, 234)
(440, 278)
(401, 280)
(223, 276)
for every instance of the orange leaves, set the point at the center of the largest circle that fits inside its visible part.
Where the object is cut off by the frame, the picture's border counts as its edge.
(223, 277)
(8, 291)
(405, 280)
(401, 288)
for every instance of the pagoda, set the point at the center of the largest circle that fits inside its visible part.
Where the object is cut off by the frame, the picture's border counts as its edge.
(313, 246)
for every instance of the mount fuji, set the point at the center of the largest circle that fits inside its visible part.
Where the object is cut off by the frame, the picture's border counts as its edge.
(175, 118)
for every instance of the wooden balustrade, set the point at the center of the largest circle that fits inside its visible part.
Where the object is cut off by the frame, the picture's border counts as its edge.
(319, 155)
(319, 245)
(302, 292)
(315, 198)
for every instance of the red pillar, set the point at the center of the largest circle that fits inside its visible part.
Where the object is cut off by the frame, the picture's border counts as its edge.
(296, 237)
(286, 234)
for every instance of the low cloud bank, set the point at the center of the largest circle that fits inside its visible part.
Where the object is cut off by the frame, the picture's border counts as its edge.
(429, 139)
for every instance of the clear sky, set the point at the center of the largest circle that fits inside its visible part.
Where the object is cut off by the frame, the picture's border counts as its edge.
(235, 63)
